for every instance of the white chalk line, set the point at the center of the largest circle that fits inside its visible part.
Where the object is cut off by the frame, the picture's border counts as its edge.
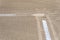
(45, 27)
(7, 14)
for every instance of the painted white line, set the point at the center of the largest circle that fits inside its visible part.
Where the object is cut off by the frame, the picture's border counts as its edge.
(38, 14)
(45, 26)
(7, 14)
(38, 28)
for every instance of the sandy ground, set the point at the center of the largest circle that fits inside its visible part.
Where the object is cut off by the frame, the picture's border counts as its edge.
(18, 28)
(25, 27)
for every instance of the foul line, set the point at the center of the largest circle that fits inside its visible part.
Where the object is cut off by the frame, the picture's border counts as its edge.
(45, 26)
(7, 14)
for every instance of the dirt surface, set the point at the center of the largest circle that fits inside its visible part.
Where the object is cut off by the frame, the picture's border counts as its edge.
(18, 28)
(28, 7)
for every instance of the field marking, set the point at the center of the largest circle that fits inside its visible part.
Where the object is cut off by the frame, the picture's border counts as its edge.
(7, 14)
(40, 15)
(45, 27)
(52, 28)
